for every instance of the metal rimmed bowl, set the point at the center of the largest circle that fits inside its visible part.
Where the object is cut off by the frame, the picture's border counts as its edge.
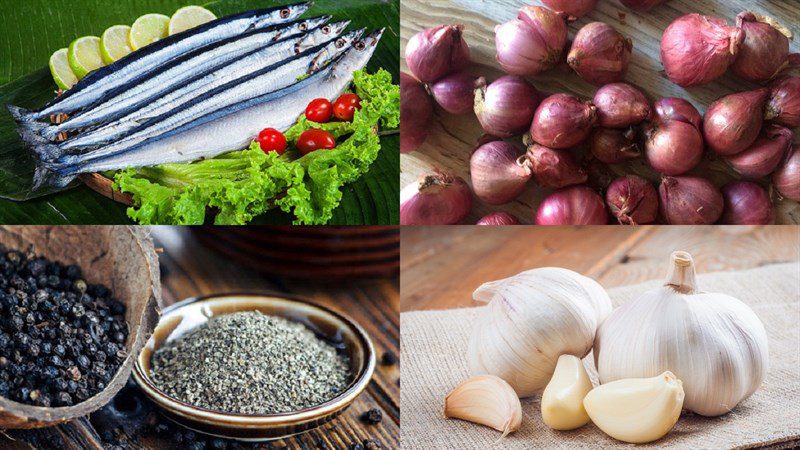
(327, 324)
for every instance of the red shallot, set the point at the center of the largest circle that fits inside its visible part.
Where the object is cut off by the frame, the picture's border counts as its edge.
(553, 168)
(416, 112)
(764, 52)
(600, 54)
(455, 93)
(499, 218)
(498, 176)
(732, 123)
(689, 201)
(697, 49)
(612, 146)
(505, 107)
(673, 147)
(620, 105)
(642, 5)
(532, 43)
(764, 156)
(436, 52)
(783, 106)
(632, 200)
(563, 121)
(575, 205)
(746, 203)
(671, 108)
(575, 8)
(438, 198)
(787, 178)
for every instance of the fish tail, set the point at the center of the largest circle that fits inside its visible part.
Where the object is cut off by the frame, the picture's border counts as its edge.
(47, 174)
(21, 115)
(32, 135)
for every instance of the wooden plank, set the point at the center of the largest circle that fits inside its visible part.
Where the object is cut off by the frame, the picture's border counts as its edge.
(452, 138)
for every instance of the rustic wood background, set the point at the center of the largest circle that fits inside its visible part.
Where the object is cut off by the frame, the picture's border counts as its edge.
(452, 138)
(441, 266)
(188, 270)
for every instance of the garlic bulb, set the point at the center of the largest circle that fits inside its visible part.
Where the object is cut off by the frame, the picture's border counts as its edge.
(532, 319)
(712, 342)
(485, 400)
(562, 400)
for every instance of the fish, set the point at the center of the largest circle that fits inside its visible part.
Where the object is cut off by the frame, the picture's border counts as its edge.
(246, 65)
(221, 131)
(140, 63)
(177, 72)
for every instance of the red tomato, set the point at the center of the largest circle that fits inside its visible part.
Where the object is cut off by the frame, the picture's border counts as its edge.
(272, 140)
(319, 110)
(345, 107)
(315, 139)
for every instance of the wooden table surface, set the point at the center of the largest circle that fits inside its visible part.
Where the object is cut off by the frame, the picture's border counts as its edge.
(188, 270)
(452, 138)
(441, 266)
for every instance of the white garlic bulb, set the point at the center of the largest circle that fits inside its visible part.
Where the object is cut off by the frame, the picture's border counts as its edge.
(713, 343)
(532, 319)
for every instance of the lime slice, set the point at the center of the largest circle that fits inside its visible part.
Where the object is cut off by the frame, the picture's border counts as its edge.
(59, 67)
(148, 29)
(84, 55)
(114, 43)
(189, 17)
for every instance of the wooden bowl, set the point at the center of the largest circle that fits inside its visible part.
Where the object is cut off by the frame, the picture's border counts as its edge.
(120, 257)
(326, 323)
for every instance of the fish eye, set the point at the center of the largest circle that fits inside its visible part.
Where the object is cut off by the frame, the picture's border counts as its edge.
(303, 26)
(339, 43)
(326, 29)
(285, 13)
(360, 45)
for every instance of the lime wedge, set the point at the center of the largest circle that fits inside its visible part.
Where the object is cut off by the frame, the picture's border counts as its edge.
(84, 55)
(114, 43)
(189, 17)
(148, 29)
(59, 67)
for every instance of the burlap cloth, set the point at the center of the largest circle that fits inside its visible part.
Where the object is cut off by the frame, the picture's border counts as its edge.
(434, 344)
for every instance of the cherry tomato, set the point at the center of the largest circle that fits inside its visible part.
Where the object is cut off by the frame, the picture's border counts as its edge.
(315, 139)
(272, 140)
(345, 106)
(319, 110)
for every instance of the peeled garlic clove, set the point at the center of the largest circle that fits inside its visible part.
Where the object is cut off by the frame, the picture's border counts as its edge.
(562, 401)
(636, 410)
(486, 400)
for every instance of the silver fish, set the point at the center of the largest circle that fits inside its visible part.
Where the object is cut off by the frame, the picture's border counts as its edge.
(141, 62)
(224, 130)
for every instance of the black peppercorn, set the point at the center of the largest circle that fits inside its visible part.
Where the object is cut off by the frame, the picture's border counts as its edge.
(388, 359)
(63, 399)
(356, 446)
(372, 417)
(218, 444)
(371, 444)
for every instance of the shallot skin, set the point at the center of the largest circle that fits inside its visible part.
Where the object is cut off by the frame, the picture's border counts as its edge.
(783, 106)
(787, 178)
(746, 203)
(732, 123)
(642, 5)
(435, 52)
(612, 146)
(766, 153)
(632, 200)
(497, 177)
(574, 205)
(563, 121)
(438, 198)
(672, 108)
(575, 8)
(532, 43)
(498, 218)
(764, 51)
(505, 107)
(416, 112)
(455, 93)
(620, 105)
(554, 168)
(698, 49)
(673, 147)
(600, 54)
(689, 201)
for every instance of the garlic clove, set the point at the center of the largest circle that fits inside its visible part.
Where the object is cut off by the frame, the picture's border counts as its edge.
(636, 410)
(485, 400)
(562, 401)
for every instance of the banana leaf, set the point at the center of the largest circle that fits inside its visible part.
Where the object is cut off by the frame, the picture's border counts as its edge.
(32, 30)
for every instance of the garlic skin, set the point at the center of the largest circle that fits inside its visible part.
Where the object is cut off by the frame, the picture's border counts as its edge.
(532, 319)
(636, 410)
(485, 400)
(562, 400)
(712, 342)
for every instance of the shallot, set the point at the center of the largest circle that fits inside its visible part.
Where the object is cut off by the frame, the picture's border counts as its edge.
(436, 52)
(642, 5)
(620, 105)
(787, 178)
(673, 147)
(416, 112)
(498, 176)
(612, 146)
(698, 49)
(455, 93)
(575, 205)
(563, 121)
(783, 106)
(764, 156)
(632, 200)
(732, 123)
(671, 108)
(531, 43)
(505, 107)
(575, 8)
(764, 52)
(553, 168)
(438, 198)
(499, 218)
(600, 54)
(746, 203)
(689, 201)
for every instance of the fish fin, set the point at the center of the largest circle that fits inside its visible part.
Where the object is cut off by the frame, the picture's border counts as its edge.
(47, 174)
(20, 114)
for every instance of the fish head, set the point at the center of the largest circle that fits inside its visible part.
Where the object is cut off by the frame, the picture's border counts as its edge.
(333, 48)
(282, 14)
(358, 55)
(321, 34)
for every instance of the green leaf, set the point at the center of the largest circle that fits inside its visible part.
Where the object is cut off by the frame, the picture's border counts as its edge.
(33, 29)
